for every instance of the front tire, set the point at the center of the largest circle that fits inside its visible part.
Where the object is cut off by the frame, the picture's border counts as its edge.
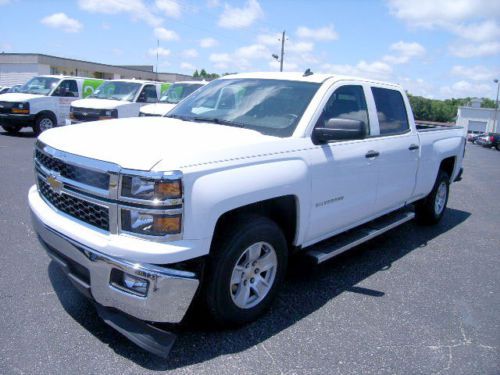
(246, 269)
(430, 210)
(42, 123)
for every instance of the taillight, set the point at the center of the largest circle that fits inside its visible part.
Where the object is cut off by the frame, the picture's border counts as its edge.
(492, 139)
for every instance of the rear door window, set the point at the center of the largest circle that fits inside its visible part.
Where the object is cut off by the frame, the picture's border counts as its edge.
(391, 111)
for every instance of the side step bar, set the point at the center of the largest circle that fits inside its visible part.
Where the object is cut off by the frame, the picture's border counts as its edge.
(337, 245)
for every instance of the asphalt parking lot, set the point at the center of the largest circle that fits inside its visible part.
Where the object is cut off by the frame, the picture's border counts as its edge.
(417, 300)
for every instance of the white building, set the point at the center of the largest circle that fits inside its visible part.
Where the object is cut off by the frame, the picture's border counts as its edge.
(479, 119)
(17, 68)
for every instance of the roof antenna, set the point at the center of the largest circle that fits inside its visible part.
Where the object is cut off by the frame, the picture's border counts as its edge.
(307, 73)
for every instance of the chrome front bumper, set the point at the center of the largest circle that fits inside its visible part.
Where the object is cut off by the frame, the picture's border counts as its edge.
(169, 292)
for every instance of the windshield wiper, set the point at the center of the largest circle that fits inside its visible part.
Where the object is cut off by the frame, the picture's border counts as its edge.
(219, 121)
(183, 118)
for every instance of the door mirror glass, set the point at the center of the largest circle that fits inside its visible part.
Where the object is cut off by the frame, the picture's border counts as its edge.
(340, 129)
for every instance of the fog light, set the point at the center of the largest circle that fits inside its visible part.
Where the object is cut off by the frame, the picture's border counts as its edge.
(135, 284)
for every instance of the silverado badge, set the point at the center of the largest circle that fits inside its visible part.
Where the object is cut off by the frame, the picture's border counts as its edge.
(54, 183)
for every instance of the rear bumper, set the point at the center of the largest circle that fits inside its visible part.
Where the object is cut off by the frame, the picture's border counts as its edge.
(169, 292)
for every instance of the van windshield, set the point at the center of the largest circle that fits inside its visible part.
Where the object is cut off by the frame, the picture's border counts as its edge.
(117, 90)
(272, 107)
(39, 85)
(179, 91)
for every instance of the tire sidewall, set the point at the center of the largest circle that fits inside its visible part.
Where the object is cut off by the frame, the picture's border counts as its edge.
(443, 177)
(226, 311)
(36, 127)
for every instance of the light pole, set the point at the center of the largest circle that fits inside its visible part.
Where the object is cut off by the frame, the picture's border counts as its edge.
(495, 121)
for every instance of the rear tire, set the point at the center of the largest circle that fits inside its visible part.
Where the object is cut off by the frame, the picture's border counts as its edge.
(11, 129)
(498, 146)
(43, 122)
(245, 270)
(430, 210)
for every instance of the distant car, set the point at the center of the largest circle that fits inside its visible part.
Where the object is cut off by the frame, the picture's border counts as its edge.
(4, 89)
(494, 141)
(472, 137)
(15, 88)
(484, 140)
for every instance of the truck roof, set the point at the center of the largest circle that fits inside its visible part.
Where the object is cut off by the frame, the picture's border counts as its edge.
(137, 81)
(296, 76)
(60, 76)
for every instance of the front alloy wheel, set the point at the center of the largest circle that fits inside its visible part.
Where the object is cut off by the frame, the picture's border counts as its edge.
(253, 275)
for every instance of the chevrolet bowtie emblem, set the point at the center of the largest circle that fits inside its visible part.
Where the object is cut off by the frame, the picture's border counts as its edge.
(54, 183)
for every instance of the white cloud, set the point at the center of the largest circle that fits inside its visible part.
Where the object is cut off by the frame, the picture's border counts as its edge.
(4, 2)
(478, 32)
(190, 53)
(269, 39)
(162, 52)
(464, 88)
(253, 51)
(6, 47)
(418, 87)
(320, 34)
(432, 13)
(299, 47)
(287, 66)
(63, 22)
(375, 69)
(164, 34)
(404, 51)
(475, 49)
(170, 8)
(136, 8)
(208, 42)
(235, 18)
(213, 3)
(220, 60)
(187, 66)
(475, 73)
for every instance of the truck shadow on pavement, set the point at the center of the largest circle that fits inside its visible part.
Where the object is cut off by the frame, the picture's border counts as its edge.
(307, 289)
(25, 133)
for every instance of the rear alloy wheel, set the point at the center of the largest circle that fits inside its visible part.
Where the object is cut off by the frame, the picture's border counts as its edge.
(246, 267)
(431, 209)
(11, 129)
(43, 123)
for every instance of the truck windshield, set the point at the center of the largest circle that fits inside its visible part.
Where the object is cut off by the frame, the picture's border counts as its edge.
(117, 90)
(179, 91)
(272, 107)
(39, 85)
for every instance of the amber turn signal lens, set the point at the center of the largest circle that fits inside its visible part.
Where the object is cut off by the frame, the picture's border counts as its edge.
(20, 111)
(167, 224)
(168, 189)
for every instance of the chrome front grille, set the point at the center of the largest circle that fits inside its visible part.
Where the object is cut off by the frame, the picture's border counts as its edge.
(73, 172)
(80, 209)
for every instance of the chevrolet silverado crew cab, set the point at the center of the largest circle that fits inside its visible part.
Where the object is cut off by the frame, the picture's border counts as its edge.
(43, 102)
(174, 94)
(147, 214)
(116, 99)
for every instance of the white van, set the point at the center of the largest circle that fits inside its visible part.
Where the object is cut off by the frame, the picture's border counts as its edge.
(43, 102)
(175, 93)
(116, 99)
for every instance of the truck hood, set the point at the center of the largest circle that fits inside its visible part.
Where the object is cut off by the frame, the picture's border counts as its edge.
(19, 97)
(99, 103)
(158, 109)
(142, 142)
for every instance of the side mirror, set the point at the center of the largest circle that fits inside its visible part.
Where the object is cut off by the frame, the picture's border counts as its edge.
(340, 129)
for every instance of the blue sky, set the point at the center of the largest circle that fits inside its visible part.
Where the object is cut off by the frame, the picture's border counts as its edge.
(434, 48)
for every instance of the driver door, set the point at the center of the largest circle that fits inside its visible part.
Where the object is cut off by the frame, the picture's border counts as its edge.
(344, 179)
(66, 93)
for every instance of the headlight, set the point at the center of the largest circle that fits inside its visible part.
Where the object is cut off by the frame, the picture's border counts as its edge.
(108, 113)
(150, 224)
(21, 108)
(148, 189)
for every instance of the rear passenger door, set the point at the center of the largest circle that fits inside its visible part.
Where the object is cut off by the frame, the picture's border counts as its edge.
(398, 148)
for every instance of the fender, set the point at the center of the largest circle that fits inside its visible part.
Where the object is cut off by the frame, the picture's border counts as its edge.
(211, 195)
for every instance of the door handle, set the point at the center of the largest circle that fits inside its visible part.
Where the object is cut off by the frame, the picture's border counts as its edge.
(413, 146)
(372, 154)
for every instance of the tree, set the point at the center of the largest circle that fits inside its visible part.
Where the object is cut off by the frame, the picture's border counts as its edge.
(196, 74)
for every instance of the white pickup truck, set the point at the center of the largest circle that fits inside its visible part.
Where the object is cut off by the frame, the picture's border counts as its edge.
(147, 214)
(174, 94)
(118, 98)
(43, 102)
